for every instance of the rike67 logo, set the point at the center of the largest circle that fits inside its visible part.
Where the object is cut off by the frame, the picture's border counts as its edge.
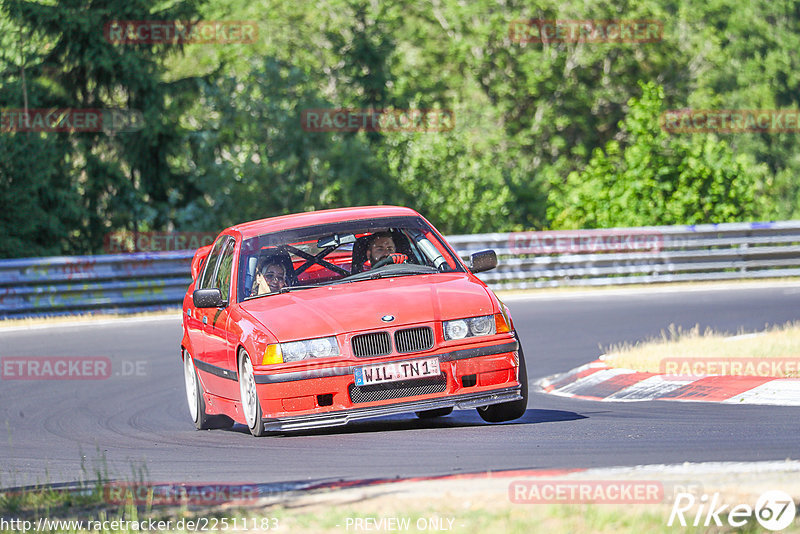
(775, 510)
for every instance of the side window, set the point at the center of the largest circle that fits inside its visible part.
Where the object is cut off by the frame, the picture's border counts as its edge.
(206, 281)
(223, 278)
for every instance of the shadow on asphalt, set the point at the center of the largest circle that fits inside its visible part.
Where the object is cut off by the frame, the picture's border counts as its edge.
(458, 419)
(547, 416)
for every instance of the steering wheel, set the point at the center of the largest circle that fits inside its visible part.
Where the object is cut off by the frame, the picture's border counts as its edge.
(391, 258)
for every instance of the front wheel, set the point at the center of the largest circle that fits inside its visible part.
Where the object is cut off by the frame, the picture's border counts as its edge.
(507, 411)
(251, 406)
(197, 405)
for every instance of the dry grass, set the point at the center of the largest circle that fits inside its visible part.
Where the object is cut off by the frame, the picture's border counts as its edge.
(708, 347)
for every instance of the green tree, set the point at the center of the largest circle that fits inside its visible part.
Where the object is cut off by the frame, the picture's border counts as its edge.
(123, 180)
(252, 159)
(747, 59)
(39, 205)
(655, 178)
(538, 125)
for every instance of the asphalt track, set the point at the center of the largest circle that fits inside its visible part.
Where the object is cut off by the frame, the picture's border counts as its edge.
(135, 424)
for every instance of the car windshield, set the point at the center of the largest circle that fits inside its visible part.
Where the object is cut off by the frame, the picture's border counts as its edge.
(349, 251)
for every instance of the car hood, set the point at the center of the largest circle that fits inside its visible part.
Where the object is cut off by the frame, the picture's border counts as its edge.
(359, 306)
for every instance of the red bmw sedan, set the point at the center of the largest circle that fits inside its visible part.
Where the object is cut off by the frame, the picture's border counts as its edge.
(318, 319)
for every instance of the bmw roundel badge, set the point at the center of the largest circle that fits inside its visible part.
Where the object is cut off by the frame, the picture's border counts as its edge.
(387, 318)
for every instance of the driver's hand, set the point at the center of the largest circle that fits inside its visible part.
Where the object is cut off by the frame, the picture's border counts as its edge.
(396, 258)
(260, 287)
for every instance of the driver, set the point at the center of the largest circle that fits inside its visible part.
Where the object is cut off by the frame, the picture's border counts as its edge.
(382, 245)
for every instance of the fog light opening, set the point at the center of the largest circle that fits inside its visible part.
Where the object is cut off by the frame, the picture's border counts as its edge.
(469, 381)
(325, 399)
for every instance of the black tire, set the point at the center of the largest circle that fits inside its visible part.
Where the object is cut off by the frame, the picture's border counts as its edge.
(508, 411)
(201, 419)
(248, 396)
(438, 412)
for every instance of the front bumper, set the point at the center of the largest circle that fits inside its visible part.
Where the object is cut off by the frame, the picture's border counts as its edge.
(471, 377)
(461, 402)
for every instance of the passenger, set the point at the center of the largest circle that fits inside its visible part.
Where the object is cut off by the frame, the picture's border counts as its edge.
(270, 276)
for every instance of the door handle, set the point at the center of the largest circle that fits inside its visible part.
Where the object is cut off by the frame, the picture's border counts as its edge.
(205, 320)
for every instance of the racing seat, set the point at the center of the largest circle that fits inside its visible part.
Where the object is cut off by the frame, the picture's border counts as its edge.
(361, 245)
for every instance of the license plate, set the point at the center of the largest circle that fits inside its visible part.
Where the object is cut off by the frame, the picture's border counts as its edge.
(394, 371)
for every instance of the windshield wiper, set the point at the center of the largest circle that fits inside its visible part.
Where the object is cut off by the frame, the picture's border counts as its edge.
(284, 290)
(390, 271)
(393, 274)
(296, 288)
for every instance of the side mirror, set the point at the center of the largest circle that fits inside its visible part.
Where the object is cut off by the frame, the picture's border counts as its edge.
(484, 260)
(208, 298)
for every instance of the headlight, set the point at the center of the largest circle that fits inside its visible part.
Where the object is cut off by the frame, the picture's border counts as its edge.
(481, 326)
(456, 329)
(295, 351)
(473, 326)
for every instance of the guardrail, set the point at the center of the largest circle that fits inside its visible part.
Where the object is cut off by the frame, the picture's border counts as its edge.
(156, 280)
(641, 255)
(114, 283)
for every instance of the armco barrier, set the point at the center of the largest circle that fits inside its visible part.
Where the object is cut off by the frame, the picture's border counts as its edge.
(109, 283)
(641, 255)
(149, 280)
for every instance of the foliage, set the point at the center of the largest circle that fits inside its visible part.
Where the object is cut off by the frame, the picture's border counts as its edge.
(251, 159)
(658, 178)
(547, 135)
(103, 182)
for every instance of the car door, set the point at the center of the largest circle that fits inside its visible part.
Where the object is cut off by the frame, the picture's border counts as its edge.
(195, 317)
(220, 346)
(200, 330)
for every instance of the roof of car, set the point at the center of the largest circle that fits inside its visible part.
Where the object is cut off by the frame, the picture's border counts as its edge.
(311, 218)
